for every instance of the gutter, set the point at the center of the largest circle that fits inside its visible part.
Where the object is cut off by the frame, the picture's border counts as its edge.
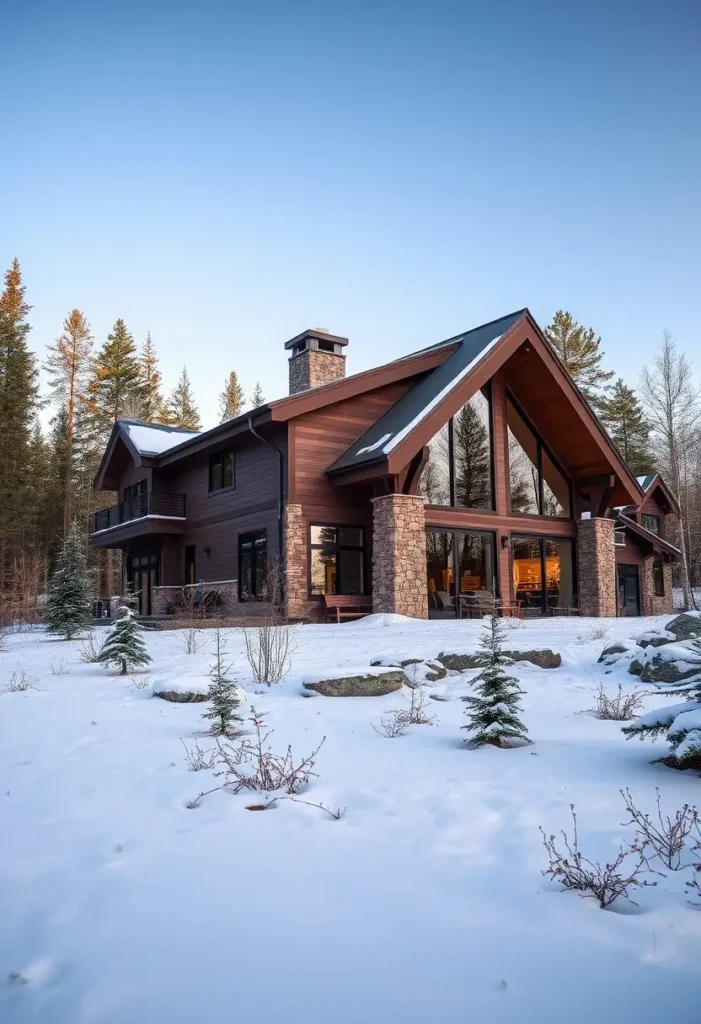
(281, 488)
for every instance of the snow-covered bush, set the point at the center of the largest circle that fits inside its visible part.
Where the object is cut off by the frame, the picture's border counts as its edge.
(124, 646)
(223, 694)
(70, 590)
(680, 723)
(492, 712)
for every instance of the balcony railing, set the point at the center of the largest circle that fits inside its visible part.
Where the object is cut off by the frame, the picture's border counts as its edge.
(150, 504)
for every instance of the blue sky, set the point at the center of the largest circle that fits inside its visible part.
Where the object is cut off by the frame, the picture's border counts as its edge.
(227, 174)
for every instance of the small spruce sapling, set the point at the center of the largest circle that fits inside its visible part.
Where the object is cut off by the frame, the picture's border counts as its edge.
(124, 646)
(492, 712)
(70, 590)
(223, 694)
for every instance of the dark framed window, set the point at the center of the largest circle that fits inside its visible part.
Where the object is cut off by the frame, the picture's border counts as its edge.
(221, 471)
(658, 575)
(461, 571)
(253, 566)
(135, 501)
(537, 484)
(336, 559)
(190, 576)
(543, 573)
(651, 523)
(460, 468)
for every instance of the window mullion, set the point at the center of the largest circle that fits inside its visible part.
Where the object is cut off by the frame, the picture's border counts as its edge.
(451, 462)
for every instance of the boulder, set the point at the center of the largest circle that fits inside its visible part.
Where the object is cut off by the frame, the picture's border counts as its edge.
(186, 690)
(612, 653)
(461, 662)
(668, 664)
(655, 638)
(686, 626)
(180, 696)
(366, 685)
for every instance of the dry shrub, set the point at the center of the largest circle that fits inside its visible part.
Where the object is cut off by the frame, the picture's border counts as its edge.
(91, 648)
(620, 708)
(20, 681)
(667, 836)
(58, 667)
(191, 640)
(593, 633)
(415, 714)
(392, 725)
(605, 882)
(251, 765)
(198, 759)
(268, 636)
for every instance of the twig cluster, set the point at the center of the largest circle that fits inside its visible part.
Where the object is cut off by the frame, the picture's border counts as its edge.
(191, 639)
(606, 882)
(396, 723)
(619, 708)
(91, 648)
(252, 765)
(667, 836)
(199, 760)
(392, 724)
(20, 681)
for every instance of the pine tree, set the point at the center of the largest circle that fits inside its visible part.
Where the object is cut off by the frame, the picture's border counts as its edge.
(579, 349)
(18, 404)
(493, 712)
(257, 398)
(152, 404)
(69, 366)
(182, 411)
(124, 647)
(623, 417)
(231, 399)
(116, 385)
(70, 590)
(223, 693)
(472, 459)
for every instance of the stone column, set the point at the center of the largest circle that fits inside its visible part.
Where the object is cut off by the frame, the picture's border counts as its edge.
(596, 557)
(399, 555)
(651, 604)
(295, 562)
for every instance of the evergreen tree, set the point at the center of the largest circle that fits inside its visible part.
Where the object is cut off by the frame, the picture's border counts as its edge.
(493, 712)
(116, 385)
(69, 365)
(70, 590)
(472, 459)
(152, 404)
(223, 693)
(623, 416)
(182, 411)
(258, 398)
(18, 403)
(579, 349)
(231, 399)
(124, 646)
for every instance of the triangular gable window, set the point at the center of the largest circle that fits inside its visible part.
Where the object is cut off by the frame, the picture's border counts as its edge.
(459, 470)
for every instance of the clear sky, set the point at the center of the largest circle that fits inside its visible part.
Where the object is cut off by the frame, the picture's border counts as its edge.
(228, 174)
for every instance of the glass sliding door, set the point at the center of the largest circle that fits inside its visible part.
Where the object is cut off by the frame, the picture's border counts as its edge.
(543, 574)
(460, 568)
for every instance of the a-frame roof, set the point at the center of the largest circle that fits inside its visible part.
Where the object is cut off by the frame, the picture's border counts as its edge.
(652, 482)
(399, 433)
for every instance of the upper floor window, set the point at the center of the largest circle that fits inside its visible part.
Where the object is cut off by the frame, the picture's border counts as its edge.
(253, 566)
(337, 560)
(651, 523)
(135, 501)
(537, 485)
(221, 471)
(459, 468)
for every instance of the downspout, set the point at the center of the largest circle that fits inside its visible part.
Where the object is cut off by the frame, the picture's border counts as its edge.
(281, 492)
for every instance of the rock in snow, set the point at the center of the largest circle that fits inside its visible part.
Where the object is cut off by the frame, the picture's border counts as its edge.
(460, 662)
(184, 690)
(367, 685)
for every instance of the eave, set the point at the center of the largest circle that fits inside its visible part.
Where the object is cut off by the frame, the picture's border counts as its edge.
(657, 543)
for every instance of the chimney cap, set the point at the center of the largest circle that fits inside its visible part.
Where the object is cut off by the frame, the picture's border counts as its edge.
(318, 333)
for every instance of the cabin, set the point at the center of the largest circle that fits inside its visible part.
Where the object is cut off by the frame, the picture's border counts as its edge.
(468, 471)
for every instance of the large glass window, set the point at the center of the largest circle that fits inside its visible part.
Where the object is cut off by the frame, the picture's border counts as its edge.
(337, 560)
(537, 485)
(221, 471)
(459, 469)
(253, 566)
(460, 568)
(543, 573)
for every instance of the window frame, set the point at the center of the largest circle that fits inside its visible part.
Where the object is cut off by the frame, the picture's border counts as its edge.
(217, 461)
(651, 515)
(486, 392)
(337, 548)
(658, 575)
(242, 538)
(456, 532)
(543, 538)
(541, 446)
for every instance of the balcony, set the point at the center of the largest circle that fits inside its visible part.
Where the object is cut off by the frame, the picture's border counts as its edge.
(149, 513)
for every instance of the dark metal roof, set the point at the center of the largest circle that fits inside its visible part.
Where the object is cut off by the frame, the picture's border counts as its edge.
(646, 480)
(406, 413)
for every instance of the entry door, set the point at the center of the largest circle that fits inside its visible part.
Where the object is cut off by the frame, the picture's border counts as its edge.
(628, 590)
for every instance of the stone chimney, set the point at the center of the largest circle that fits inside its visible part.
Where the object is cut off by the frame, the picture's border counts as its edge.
(316, 357)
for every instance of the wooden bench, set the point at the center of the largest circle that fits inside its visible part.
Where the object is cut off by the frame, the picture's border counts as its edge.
(347, 606)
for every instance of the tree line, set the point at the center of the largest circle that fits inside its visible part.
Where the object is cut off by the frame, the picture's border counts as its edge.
(46, 475)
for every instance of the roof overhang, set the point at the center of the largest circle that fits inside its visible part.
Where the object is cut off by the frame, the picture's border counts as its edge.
(666, 499)
(639, 532)
(119, 436)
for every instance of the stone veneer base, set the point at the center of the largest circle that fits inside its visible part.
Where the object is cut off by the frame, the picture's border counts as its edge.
(399, 555)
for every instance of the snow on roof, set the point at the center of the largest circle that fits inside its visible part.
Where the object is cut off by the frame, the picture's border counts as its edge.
(151, 439)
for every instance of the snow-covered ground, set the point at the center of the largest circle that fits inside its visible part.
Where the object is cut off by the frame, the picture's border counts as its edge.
(425, 903)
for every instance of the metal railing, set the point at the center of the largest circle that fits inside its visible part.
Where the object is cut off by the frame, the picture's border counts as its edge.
(150, 504)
